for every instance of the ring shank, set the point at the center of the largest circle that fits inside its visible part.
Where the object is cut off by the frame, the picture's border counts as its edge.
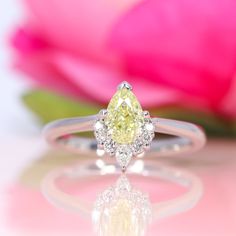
(189, 136)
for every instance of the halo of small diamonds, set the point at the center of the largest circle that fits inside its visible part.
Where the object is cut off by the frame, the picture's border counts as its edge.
(122, 152)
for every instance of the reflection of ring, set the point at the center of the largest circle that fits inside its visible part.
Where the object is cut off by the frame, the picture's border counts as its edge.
(149, 168)
(124, 130)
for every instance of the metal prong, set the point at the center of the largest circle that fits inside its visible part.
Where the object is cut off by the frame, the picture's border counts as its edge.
(146, 114)
(103, 112)
(112, 153)
(124, 84)
(123, 169)
(100, 146)
(147, 146)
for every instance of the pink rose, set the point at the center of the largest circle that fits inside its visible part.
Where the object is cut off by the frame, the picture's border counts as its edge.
(173, 52)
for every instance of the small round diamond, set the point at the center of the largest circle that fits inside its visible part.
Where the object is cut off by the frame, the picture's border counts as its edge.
(110, 146)
(149, 127)
(100, 131)
(147, 137)
(148, 132)
(137, 147)
(98, 125)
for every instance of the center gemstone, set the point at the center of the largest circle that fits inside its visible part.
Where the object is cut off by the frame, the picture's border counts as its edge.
(124, 118)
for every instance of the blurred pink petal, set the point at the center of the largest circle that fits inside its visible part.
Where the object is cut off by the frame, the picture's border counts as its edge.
(27, 42)
(84, 74)
(188, 45)
(80, 27)
(72, 76)
(173, 52)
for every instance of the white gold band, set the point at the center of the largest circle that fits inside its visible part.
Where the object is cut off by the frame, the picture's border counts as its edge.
(148, 169)
(189, 136)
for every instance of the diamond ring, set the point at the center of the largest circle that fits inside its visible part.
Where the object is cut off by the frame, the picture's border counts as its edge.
(125, 131)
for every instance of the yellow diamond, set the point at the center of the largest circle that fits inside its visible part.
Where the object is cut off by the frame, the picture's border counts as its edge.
(124, 116)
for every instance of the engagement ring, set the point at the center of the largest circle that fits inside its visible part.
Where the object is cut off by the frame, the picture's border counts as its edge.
(125, 131)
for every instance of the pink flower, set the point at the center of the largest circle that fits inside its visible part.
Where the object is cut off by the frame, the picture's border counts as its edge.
(180, 52)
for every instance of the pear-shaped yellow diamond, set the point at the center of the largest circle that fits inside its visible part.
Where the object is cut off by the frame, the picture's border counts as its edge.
(124, 116)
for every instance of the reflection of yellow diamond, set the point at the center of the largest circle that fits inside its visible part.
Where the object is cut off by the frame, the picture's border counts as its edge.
(124, 117)
(122, 210)
(120, 221)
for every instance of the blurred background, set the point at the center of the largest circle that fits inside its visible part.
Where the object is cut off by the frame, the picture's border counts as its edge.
(65, 58)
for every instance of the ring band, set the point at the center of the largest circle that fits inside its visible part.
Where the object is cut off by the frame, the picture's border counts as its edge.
(190, 137)
(148, 169)
(125, 130)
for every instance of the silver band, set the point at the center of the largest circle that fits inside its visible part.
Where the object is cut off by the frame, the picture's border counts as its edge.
(149, 168)
(189, 136)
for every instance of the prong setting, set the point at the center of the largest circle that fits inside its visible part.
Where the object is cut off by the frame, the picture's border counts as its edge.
(112, 153)
(124, 84)
(146, 114)
(103, 112)
(146, 146)
(100, 146)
